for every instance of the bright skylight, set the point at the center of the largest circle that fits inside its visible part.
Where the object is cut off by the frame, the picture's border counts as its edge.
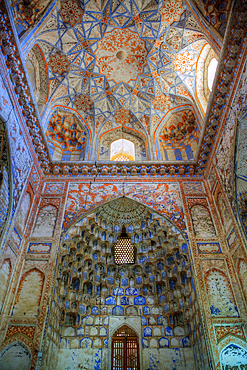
(122, 150)
(211, 72)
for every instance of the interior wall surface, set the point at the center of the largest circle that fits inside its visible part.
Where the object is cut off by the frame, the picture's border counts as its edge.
(211, 232)
(44, 206)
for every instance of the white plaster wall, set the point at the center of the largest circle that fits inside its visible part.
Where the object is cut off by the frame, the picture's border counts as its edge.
(83, 358)
(98, 359)
(15, 358)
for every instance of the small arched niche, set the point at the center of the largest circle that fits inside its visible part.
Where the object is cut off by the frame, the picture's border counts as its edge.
(233, 357)
(37, 72)
(15, 357)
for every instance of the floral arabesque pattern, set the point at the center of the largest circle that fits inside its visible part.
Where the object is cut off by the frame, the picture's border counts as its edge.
(121, 55)
(59, 63)
(71, 12)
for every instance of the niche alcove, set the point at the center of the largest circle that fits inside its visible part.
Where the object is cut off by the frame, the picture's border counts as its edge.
(156, 294)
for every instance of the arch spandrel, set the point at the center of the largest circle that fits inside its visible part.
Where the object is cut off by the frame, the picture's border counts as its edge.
(162, 198)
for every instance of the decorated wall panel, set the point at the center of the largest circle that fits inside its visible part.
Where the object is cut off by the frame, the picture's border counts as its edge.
(202, 222)
(233, 356)
(37, 71)
(29, 294)
(4, 198)
(181, 124)
(224, 159)
(5, 275)
(222, 302)
(45, 222)
(165, 198)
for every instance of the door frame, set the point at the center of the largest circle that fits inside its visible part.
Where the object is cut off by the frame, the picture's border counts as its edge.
(134, 322)
(124, 340)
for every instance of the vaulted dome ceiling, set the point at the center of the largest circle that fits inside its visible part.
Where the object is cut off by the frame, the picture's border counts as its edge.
(134, 60)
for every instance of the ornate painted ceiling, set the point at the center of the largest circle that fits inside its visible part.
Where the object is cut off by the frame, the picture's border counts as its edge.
(130, 68)
(100, 71)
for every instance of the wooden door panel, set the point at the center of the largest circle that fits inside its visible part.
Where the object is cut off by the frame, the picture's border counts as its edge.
(125, 353)
(118, 354)
(132, 355)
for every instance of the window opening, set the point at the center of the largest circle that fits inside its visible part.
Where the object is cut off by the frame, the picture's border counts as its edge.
(124, 249)
(211, 72)
(122, 150)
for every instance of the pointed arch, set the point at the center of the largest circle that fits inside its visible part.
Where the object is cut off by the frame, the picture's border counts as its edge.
(5, 275)
(17, 354)
(29, 293)
(6, 200)
(137, 137)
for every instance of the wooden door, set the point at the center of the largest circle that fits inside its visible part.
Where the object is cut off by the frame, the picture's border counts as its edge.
(125, 350)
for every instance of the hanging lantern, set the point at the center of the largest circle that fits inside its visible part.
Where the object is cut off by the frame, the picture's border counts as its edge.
(124, 250)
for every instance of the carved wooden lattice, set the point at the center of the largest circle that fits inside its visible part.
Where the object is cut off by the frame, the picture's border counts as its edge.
(124, 251)
(125, 350)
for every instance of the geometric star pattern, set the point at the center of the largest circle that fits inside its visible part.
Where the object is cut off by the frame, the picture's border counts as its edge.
(136, 57)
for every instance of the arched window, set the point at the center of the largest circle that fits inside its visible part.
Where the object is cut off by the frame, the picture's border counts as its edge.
(211, 72)
(122, 150)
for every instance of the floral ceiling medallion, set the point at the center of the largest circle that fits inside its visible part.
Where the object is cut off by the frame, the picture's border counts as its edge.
(121, 55)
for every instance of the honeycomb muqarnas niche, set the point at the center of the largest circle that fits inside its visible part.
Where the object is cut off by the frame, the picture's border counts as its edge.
(155, 291)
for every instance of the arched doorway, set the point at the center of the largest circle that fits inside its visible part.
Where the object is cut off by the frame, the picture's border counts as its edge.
(125, 349)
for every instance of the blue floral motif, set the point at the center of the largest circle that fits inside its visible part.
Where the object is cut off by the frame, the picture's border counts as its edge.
(168, 331)
(110, 300)
(118, 311)
(186, 342)
(125, 282)
(148, 332)
(87, 343)
(124, 301)
(87, 320)
(80, 332)
(163, 342)
(131, 291)
(161, 320)
(146, 310)
(94, 310)
(143, 320)
(118, 291)
(144, 343)
(139, 300)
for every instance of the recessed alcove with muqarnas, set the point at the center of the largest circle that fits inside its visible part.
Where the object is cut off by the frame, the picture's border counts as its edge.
(150, 282)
